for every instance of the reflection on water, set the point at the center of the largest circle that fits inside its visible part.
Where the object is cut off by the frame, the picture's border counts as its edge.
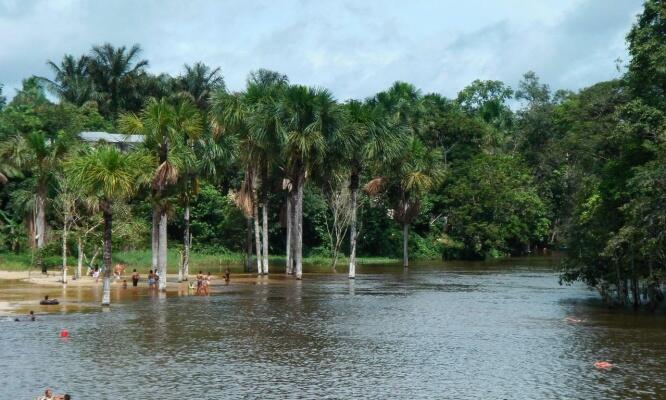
(490, 331)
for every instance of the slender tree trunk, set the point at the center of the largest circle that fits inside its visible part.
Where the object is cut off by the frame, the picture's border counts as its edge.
(294, 222)
(288, 267)
(79, 258)
(163, 250)
(64, 252)
(185, 271)
(405, 240)
(40, 221)
(298, 254)
(264, 231)
(248, 246)
(106, 292)
(155, 240)
(352, 233)
(257, 235)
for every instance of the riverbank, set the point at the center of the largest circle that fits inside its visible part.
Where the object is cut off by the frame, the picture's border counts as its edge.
(142, 259)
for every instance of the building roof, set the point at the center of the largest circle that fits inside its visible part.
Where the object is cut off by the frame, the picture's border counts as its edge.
(110, 137)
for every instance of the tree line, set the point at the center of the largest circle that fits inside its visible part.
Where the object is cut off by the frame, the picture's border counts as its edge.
(282, 168)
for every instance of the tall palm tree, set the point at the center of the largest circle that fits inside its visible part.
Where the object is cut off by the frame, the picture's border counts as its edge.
(231, 115)
(188, 121)
(114, 71)
(71, 82)
(164, 134)
(308, 117)
(39, 156)
(415, 169)
(110, 176)
(199, 81)
(367, 137)
(264, 92)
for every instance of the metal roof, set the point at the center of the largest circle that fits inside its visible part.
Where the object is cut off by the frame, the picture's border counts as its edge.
(110, 137)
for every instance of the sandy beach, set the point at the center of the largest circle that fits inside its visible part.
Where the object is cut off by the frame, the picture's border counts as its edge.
(20, 291)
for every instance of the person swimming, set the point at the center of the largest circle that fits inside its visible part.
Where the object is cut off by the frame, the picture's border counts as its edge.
(48, 302)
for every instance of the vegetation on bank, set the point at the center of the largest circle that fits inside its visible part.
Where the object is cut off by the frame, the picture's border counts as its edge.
(141, 260)
(280, 168)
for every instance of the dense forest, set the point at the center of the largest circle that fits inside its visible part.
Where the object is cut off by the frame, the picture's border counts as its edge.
(284, 169)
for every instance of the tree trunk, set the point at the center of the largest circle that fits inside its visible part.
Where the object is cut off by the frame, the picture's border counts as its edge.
(264, 231)
(155, 240)
(352, 233)
(106, 292)
(298, 254)
(185, 271)
(294, 222)
(289, 266)
(248, 246)
(257, 235)
(64, 252)
(79, 259)
(162, 258)
(405, 240)
(40, 221)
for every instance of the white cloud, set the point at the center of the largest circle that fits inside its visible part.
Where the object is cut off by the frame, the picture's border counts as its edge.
(354, 48)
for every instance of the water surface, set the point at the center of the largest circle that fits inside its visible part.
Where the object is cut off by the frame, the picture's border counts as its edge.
(457, 331)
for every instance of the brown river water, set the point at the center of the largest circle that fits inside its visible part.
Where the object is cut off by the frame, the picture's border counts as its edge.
(497, 330)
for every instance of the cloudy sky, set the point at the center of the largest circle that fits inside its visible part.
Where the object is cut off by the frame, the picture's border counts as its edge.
(353, 47)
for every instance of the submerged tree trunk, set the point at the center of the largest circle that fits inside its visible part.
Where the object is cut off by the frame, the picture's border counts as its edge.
(289, 266)
(264, 231)
(106, 251)
(352, 229)
(257, 236)
(79, 259)
(298, 253)
(248, 245)
(185, 270)
(405, 240)
(162, 258)
(155, 239)
(64, 252)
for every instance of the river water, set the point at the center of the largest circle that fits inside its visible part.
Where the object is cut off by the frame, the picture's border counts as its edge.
(455, 331)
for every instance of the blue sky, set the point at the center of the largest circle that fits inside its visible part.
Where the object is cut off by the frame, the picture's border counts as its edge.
(354, 48)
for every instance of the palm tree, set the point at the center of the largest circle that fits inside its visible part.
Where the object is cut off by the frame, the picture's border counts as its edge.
(199, 81)
(308, 117)
(188, 122)
(38, 156)
(264, 92)
(110, 176)
(231, 114)
(114, 72)
(366, 137)
(71, 82)
(417, 170)
(164, 136)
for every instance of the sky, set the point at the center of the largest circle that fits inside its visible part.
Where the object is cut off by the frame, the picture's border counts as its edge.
(355, 48)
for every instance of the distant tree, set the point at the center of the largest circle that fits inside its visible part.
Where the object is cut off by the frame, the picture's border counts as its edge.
(115, 72)
(72, 82)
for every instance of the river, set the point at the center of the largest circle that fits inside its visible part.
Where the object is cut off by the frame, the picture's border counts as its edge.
(453, 331)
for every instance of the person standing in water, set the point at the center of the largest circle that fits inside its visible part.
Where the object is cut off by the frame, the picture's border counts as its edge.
(227, 274)
(135, 278)
(200, 279)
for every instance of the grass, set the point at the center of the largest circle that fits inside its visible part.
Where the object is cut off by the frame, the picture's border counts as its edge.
(141, 260)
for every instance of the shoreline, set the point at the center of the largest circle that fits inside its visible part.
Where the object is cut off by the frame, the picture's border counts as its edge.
(20, 291)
